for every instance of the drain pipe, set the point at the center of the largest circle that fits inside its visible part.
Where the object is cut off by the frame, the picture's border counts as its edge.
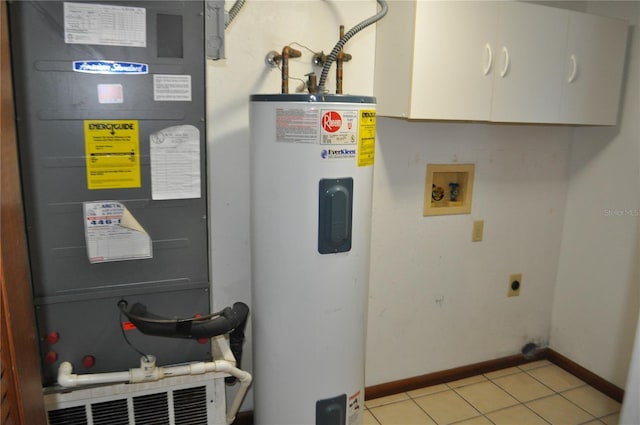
(148, 372)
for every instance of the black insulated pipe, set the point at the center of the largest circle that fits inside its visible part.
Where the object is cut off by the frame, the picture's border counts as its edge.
(148, 323)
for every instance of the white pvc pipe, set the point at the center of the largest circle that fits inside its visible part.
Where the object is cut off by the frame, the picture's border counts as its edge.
(67, 379)
(149, 372)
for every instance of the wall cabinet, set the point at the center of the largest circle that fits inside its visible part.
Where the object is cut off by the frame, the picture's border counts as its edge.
(594, 68)
(498, 61)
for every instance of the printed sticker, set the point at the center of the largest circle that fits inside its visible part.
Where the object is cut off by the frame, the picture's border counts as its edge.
(339, 127)
(367, 138)
(172, 88)
(297, 125)
(175, 163)
(113, 234)
(106, 25)
(110, 93)
(110, 67)
(354, 408)
(112, 151)
(338, 153)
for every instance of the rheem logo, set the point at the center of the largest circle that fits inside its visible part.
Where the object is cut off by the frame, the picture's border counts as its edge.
(331, 121)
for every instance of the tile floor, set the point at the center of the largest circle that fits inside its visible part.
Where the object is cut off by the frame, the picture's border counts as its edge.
(531, 394)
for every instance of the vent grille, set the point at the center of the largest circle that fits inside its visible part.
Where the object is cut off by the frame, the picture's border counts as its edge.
(70, 416)
(189, 400)
(114, 412)
(151, 409)
(190, 406)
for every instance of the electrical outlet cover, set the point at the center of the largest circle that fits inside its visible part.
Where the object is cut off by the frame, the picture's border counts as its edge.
(514, 292)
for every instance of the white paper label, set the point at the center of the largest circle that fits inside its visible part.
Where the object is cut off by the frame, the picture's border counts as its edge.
(175, 163)
(113, 234)
(110, 93)
(339, 127)
(172, 88)
(107, 25)
(297, 125)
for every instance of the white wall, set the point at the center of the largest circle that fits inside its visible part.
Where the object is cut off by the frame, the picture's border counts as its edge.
(260, 27)
(438, 300)
(596, 301)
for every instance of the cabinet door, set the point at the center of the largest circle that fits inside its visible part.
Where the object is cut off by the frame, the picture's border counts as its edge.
(530, 63)
(594, 68)
(453, 56)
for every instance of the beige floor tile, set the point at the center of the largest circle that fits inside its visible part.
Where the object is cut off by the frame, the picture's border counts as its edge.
(446, 407)
(368, 419)
(403, 412)
(385, 400)
(592, 400)
(593, 422)
(534, 365)
(559, 411)
(478, 420)
(523, 387)
(486, 396)
(428, 390)
(519, 414)
(611, 419)
(555, 378)
(466, 381)
(502, 372)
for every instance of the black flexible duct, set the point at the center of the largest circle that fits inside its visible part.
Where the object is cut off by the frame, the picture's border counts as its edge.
(348, 35)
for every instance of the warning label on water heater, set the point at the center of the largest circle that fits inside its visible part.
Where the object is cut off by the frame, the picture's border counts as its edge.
(354, 409)
(339, 127)
(297, 125)
(367, 138)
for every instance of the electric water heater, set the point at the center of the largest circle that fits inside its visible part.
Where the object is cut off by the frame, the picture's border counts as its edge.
(312, 168)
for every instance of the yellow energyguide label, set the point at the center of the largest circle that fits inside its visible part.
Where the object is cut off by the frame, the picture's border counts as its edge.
(366, 138)
(112, 149)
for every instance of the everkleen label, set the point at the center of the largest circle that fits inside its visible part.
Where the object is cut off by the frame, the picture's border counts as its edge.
(112, 151)
(367, 138)
(345, 153)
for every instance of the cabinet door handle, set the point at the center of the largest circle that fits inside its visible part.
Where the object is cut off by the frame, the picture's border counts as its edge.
(505, 68)
(574, 69)
(487, 67)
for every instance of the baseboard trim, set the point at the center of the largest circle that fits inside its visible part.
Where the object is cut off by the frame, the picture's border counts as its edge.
(403, 385)
(586, 375)
(441, 377)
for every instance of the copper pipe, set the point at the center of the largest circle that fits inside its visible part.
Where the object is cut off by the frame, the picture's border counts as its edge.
(340, 58)
(287, 52)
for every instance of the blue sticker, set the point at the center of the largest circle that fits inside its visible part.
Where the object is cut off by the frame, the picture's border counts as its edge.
(110, 67)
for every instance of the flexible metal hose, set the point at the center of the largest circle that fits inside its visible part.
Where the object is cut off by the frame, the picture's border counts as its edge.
(353, 31)
(234, 11)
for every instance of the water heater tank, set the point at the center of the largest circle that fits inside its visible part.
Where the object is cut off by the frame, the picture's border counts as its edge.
(312, 168)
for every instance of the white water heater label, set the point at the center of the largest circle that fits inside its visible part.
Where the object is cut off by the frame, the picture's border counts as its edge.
(297, 125)
(354, 408)
(171, 88)
(106, 25)
(339, 127)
